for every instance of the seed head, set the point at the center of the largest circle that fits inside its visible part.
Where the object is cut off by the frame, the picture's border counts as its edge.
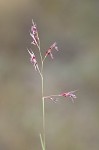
(70, 94)
(33, 59)
(49, 51)
(34, 34)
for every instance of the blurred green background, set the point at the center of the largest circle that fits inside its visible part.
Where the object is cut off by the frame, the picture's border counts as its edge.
(74, 25)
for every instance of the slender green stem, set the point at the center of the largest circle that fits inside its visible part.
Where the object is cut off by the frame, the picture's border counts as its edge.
(43, 104)
(44, 124)
(40, 51)
(42, 144)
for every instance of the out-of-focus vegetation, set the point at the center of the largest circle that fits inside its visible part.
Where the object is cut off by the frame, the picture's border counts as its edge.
(75, 27)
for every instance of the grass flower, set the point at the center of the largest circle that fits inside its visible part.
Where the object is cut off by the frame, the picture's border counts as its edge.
(49, 51)
(36, 42)
(70, 94)
(34, 34)
(66, 94)
(33, 59)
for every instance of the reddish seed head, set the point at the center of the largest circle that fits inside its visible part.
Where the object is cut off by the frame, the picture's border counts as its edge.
(33, 59)
(69, 94)
(49, 51)
(33, 28)
(34, 34)
(35, 38)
